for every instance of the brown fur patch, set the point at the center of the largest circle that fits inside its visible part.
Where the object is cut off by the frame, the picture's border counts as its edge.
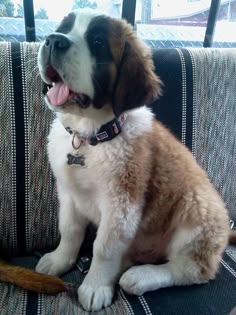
(30, 280)
(134, 180)
(177, 193)
(135, 69)
(232, 237)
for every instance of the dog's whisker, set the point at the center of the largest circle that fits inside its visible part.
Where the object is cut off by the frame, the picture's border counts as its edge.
(38, 76)
(17, 56)
(32, 69)
(27, 63)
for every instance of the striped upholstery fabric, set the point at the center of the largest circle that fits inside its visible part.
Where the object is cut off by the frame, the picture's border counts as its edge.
(8, 234)
(198, 105)
(28, 203)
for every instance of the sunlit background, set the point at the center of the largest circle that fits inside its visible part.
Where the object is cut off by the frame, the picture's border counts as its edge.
(161, 23)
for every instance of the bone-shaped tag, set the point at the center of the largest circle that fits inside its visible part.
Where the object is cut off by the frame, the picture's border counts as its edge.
(75, 160)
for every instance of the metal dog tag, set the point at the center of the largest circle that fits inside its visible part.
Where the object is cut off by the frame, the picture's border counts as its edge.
(75, 160)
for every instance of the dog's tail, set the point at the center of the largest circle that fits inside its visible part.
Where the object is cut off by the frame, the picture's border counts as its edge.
(232, 237)
(30, 280)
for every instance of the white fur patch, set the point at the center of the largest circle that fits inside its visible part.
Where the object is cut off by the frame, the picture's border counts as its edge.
(181, 239)
(82, 21)
(140, 279)
(94, 298)
(76, 68)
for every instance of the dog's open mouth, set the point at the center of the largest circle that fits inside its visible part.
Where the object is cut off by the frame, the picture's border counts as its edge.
(59, 93)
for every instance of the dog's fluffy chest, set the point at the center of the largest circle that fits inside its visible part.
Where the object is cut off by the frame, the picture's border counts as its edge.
(87, 185)
(107, 165)
(82, 176)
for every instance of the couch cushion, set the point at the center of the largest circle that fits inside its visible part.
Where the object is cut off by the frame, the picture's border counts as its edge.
(217, 297)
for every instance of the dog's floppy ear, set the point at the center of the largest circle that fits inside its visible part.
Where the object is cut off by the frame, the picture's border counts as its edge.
(136, 82)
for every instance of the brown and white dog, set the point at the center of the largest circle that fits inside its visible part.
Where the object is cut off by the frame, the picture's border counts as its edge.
(140, 186)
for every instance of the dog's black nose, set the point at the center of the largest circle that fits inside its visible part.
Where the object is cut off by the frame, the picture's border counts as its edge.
(57, 42)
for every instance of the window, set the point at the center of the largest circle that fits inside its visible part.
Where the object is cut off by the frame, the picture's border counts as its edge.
(182, 23)
(161, 23)
(11, 20)
(225, 31)
(47, 15)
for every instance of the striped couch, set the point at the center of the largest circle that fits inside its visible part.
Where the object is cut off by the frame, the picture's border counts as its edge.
(198, 105)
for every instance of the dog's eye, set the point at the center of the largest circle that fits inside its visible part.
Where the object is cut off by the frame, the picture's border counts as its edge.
(98, 42)
(99, 47)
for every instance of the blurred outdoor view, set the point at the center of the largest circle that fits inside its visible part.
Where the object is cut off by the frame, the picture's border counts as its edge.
(161, 23)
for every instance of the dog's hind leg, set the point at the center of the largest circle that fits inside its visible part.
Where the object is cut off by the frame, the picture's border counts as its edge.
(192, 259)
(143, 278)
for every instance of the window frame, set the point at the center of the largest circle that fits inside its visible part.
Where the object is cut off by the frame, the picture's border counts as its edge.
(128, 13)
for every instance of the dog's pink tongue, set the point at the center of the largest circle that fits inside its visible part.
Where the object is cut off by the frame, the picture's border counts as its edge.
(58, 94)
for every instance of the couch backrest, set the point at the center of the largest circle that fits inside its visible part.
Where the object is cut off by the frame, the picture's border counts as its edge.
(198, 105)
(28, 203)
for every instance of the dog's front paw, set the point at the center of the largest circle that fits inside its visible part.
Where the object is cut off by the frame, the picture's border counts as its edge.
(93, 298)
(54, 263)
(134, 282)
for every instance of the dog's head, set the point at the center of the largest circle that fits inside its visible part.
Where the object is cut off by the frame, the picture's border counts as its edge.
(94, 60)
